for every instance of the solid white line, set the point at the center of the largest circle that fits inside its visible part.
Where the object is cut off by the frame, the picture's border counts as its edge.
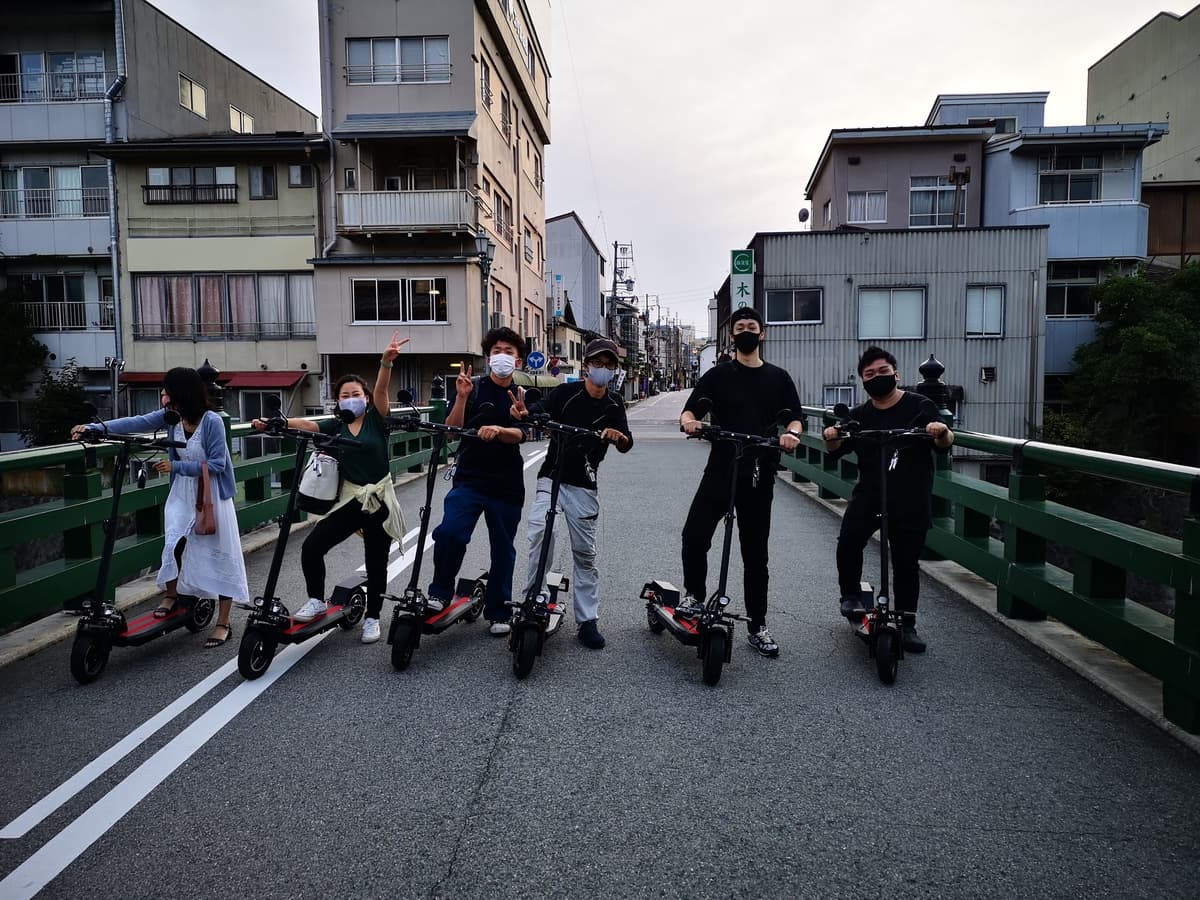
(21, 825)
(65, 847)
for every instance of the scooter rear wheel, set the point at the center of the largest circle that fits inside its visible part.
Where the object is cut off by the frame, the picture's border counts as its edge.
(525, 648)
(652, 619)
(714, 655)
(476, 601)
(255, 653)
(404, 641)
(89, 656)
(887, 658)
(201, 614)
(356, 606)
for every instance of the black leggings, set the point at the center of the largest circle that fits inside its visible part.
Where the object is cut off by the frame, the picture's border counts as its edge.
(331, 531)
(860, 522)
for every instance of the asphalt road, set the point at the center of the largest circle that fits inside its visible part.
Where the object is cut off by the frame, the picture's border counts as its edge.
(987, 770)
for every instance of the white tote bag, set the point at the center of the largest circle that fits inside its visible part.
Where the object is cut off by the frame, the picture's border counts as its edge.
(320, 484)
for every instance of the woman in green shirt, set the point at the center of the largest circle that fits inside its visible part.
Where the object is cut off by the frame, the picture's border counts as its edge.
(367, 501)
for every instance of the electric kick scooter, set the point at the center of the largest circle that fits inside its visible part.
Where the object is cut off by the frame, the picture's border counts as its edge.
(411, 616)
(269, 623)
(880, 624)
(102, 626)
(711, 631)
(539, 614)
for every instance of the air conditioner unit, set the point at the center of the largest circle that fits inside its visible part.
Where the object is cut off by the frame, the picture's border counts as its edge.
(556, 348)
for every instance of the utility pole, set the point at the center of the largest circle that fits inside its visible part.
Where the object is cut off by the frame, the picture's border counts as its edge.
(612, 303)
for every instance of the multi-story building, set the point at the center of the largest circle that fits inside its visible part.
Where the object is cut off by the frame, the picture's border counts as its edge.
(438, 116)
(76, 78)
(1152, 76)
(576, 270)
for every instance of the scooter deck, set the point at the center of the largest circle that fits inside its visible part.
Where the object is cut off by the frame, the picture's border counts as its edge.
(453, 614)
(146, 627)
(685, 628)
(299, 632)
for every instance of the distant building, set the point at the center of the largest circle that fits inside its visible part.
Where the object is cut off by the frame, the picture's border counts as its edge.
(576, 269)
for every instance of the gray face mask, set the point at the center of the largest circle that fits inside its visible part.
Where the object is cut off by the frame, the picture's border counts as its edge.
(355, 405)
(600, 376)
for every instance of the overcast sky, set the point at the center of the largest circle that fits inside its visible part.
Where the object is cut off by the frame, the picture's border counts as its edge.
(685, 126)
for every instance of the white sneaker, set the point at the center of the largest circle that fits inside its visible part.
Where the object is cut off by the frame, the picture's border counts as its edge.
(370, 631)
(498, 629)
(310, 610)
(434, 605)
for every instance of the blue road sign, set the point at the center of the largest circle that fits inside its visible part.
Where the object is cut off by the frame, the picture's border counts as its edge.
(554, 370)
(536, 359)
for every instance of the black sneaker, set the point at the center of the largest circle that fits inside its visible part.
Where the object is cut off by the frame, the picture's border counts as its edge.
(909, 639)
(762, 641)
(690, 606)
(590, 636)
(852, 605)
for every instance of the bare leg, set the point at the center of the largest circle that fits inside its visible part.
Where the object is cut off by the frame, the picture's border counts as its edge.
(216, 639)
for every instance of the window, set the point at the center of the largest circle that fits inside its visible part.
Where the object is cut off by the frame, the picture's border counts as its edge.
(238, 305)
(833, 394)
(866, 207)
(1003, 124)
(262, 182)
(827, 213)
(53, 302)
(190, 184)
(350, 179)
(527, 244)
(931, 202)
(1069, 290)
(505, 118)
(254, 405)
(1069, 178)
(420, 300)
(537, 172)
(52, 77)
(485, 83)
(407, 60)
(300, 176)
(895, 313)
(53, 192)
(985, 310)
(799, 306)
(242, 123)
(193, 96)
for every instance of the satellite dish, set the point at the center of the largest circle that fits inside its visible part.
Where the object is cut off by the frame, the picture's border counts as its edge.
(803, 215)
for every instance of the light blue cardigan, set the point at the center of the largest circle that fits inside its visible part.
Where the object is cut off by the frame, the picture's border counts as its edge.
(212, 435)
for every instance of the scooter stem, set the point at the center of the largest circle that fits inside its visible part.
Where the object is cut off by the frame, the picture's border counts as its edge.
(110, 527)
(285, 526)
(729, 517)
(435, 458)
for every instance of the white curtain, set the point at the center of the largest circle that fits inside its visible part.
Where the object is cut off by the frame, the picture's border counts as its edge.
(873, 314)
(272, 304)
(908, 313)
(300, 296)
(68, 193)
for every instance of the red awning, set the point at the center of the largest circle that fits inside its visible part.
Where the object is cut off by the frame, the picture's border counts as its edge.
(141, 378)
(261, 380)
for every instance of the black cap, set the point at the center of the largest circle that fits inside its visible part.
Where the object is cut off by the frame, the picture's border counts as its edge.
(601, 345)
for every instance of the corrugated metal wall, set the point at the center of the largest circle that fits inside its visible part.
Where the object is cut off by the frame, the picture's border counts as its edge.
(945, 263)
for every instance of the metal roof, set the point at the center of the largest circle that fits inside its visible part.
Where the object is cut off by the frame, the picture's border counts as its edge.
(367, 125)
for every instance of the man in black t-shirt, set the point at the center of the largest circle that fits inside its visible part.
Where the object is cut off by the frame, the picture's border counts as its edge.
(747, 395)
(585, 404)
(909, 489)
(488, 479)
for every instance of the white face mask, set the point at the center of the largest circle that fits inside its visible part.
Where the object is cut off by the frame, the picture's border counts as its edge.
(600, 376)
(355, 405)
(502, 364)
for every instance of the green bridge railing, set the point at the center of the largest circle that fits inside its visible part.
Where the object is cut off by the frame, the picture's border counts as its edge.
(72, 476)
(1091, 599)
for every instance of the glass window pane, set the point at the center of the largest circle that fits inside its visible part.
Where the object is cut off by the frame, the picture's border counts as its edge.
(975, 310)
(212, 304)
(235, 120)
(364, 301)
(1079, 300)
(302, 303)
(389, 301)
(437, 59)
(243, 305)
(994, 310)
(1053, 189)
(384, 60)
(158, 176)
(204, 175)
(185, 92)
(908, 313)
(873, 314)
(94, 176)
(1056, 299)
(272, 304)
(199, 100)
(779, 306)
(181, 175)
(808, 306)
(877, 205)
(920, 203)
(856, 206)
(412, 59)
(1084, 187)
(439, 302)
(421, 303)
(226, 175)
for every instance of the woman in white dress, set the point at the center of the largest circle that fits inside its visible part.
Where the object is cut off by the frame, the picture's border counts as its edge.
(200, 565)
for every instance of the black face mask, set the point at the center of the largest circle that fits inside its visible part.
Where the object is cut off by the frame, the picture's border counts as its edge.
(746, 341)
(880, 385)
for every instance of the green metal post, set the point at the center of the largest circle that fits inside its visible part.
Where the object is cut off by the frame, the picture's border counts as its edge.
(1023, 548)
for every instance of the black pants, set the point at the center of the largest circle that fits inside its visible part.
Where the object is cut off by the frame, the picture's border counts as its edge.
(753, 508)
(860, 522)
(331, 531)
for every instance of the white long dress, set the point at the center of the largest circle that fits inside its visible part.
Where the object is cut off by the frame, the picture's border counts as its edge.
(213, 565)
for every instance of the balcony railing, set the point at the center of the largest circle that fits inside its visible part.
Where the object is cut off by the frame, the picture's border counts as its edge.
(363, 211)
(218, 226)
(416, 73)
(54, 87)
(53, 203)
(225, 331)
(68, 315)
(157, 194)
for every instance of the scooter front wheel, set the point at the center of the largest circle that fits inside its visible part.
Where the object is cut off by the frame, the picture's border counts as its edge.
(525, 648)
(715, 644)
(201, 614)
(887, 657)
(255, 653)
(89, 656)
(404, 641)
(652, 619)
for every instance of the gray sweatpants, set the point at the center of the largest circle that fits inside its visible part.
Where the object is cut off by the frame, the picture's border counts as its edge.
(581, 509)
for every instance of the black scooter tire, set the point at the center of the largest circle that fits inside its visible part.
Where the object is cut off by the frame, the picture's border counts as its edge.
(255, 653)
(356, 607)
(525, 649)
(89, 656)
(404, 641)
(201, 614)
(714, 655)
(477, 600)
(887, 657)
(652, 619)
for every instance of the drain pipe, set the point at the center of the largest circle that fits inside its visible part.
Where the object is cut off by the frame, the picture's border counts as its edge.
(326, 115)
(110, 96)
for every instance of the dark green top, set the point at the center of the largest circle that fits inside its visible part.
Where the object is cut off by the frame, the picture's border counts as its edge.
(369, 463)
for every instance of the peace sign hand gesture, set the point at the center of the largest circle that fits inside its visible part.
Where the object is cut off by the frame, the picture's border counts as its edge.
(393, 349)
(463, 383)
(518, 409)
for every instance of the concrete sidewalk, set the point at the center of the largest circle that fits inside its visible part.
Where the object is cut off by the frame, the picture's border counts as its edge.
(1111, 673)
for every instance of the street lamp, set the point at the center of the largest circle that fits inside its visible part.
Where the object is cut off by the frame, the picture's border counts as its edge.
(485, 247)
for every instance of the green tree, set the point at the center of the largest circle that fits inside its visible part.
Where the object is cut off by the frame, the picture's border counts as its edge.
(59, 404)
(22, 353)
(1135, 389)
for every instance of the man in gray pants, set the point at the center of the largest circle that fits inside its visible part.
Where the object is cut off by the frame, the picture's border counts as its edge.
(586, 404)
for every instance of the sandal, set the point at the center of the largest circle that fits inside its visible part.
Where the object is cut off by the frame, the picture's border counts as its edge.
(160, 611)
(213, 642)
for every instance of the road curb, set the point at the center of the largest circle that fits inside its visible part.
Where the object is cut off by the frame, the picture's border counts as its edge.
(1110, 672)
(29, 639)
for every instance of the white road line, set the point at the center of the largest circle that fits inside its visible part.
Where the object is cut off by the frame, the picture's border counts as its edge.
(65, 847)
(33, 816)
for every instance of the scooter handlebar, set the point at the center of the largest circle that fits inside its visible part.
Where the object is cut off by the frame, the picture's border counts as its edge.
(715, 433)
(543, 420)
(102, 436)
(278, 427)
(412, 423)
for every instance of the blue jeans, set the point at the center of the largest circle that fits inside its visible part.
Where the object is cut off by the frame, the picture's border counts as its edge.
(461, 512)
